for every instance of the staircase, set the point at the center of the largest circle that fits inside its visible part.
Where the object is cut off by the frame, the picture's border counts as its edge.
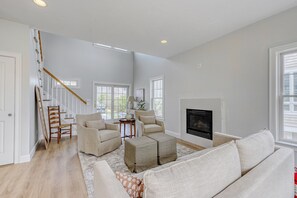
(54, 92)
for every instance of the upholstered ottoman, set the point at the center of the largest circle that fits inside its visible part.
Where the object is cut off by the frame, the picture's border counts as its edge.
(166, 147)
(140, 154)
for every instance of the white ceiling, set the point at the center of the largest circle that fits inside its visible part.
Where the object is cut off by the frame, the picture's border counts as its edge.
(139, 25)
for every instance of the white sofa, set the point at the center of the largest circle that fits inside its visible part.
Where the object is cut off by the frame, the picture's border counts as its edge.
(219, 172)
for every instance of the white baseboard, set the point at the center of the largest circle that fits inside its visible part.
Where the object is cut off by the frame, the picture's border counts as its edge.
(172, 133)
(25, 158)
(32, 153)
(28, 158)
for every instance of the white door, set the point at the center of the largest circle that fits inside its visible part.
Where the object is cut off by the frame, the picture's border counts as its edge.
(111, 101)
(7, 89)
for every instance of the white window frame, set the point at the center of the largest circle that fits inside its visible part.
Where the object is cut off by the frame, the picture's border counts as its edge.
(56, 85)
(275, 91)
(163, 94)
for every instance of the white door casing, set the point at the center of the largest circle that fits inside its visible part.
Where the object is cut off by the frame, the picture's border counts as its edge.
(7, 105)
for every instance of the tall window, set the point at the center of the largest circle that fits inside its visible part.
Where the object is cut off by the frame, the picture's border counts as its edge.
(157, 96)
(111, 100)
(283, 93)
(288, 65)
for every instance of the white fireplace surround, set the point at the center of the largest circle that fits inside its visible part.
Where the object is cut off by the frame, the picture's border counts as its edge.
(213, 104)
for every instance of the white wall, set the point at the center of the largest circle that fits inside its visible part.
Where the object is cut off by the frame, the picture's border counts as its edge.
(76, 59)
(15, 38)
(233, 68)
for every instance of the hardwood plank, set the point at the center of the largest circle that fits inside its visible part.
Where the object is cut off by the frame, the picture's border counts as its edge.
(55, 172)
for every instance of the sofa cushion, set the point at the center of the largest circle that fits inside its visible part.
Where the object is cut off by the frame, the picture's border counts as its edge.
(152, 128)
(148, 119)
(254, 149)
(97, 124)
(203, 176)
(105, 135)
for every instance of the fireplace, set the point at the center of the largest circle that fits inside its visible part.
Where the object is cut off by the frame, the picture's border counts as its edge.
(199, 123)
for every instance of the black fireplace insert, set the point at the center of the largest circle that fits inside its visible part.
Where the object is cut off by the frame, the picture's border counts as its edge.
(199, 123)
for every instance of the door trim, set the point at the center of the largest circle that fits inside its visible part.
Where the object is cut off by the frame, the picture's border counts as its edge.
(17, 102)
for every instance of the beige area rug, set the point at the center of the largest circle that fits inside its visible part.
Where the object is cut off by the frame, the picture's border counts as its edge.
(115, 160)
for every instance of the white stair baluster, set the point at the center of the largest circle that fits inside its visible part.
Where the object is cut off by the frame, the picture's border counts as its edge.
(52, 92)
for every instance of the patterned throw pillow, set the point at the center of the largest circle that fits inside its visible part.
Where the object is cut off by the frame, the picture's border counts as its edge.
(133, 185)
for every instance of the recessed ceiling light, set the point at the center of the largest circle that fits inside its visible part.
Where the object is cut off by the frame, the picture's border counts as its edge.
(120, 49)
(40, 3)
(102, 45)
(163, 41)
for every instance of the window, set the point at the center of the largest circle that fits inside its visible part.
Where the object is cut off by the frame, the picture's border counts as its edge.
(283, 93)
(157, 96)
(68, 83)
(111, 100)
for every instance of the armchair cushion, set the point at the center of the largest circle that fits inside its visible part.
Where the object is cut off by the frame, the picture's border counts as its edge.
(152, 128)
(96, 124)
(148, 119)
(106, 135)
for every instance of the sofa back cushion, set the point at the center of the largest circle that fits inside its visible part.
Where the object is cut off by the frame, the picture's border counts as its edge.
(254, 149)
(148, 119)
(96, 124)
(139, 113)
(203, 176)
(82, 118)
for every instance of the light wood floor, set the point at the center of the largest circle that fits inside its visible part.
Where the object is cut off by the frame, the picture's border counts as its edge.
(52, 173)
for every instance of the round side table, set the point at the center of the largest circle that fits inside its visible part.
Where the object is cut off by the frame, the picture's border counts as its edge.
(130, 122)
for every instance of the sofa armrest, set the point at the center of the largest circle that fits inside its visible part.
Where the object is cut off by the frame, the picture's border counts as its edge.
(139, 128)
(105, 182)
(273, 178)
(114, 127)
(222, 138)
(160, 123)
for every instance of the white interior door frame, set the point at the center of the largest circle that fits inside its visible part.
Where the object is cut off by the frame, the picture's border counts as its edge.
(18, 100)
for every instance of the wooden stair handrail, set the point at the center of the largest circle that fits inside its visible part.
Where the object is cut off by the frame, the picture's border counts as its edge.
(40, 46)
(65, 86)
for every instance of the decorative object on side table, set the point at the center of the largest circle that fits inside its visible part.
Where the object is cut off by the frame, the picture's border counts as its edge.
(141, 105)
(130, 103)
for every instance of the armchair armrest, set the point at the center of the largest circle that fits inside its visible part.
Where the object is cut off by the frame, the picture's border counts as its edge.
(139, 128)
(105, 182)
(88, 139)
(114, 127)
(160, 123)
(222, 138)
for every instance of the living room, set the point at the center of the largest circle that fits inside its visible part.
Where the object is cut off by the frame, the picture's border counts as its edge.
(220, 58)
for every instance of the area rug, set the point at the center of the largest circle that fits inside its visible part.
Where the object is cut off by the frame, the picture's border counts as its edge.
(115, 160)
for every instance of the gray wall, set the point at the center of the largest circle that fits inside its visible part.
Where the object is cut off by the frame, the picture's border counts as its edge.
(76, 59)
(233, 68)
(15, 38)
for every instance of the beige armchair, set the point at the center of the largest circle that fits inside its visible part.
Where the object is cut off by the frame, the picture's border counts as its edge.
(94, 141)
(146, 126)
